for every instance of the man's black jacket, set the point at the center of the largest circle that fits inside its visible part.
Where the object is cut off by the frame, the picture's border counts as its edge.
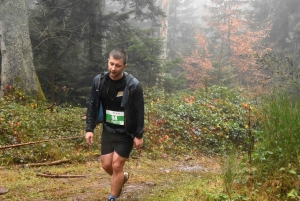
(132, 101)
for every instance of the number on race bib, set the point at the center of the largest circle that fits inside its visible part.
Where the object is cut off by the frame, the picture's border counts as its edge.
(115, 117)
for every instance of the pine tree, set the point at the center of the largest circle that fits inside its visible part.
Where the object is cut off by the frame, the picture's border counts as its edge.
(283, 16)
(80, 33)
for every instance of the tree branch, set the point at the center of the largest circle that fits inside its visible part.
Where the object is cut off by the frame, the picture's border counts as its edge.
(36, 142)
(49, 175)
(46, 164)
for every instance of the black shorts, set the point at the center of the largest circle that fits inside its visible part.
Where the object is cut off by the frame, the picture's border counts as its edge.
(111, 141)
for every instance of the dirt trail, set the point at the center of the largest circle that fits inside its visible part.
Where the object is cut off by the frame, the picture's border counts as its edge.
(146, 176)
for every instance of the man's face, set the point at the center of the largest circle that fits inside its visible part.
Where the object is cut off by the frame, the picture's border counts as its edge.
(115, 68)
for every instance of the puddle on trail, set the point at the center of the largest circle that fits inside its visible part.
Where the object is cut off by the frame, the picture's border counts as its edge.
(186, 168)
(195, 168)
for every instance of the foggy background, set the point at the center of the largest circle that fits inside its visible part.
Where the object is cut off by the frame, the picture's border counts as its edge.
(176, 44)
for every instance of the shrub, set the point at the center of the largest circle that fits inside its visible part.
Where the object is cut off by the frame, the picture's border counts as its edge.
(29, 122)
(176, 123)
(185, 121)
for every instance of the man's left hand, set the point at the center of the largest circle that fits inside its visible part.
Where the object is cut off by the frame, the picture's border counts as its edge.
(138, 143)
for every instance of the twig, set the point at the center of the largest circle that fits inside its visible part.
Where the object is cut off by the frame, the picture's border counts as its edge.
(47, 164)
(49, 175)
(36, 142)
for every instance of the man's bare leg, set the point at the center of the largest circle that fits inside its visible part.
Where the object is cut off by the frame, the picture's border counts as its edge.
(106, 162)
(113, 164)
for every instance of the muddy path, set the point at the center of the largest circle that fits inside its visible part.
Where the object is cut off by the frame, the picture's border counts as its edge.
(148, 178)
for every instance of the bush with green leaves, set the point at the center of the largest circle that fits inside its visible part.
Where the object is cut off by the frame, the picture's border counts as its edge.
(185, 121)
(176, 123)
(31, 122)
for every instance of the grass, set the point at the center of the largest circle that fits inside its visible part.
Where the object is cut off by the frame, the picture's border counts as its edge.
(229, 174)
(276, 154)
(281, 131)
(149, 180)
(164, 178)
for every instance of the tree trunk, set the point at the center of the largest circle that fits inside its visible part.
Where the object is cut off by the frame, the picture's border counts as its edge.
(164, 27)
(96, 34)
(17, 68)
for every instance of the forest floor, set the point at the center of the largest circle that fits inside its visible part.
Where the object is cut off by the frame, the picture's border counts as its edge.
(149, 179)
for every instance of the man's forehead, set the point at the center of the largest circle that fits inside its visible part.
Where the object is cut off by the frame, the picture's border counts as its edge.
(112, 59)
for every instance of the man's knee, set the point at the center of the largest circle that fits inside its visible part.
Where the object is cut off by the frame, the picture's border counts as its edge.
(106, 163)
(117, 166)
(106, 166)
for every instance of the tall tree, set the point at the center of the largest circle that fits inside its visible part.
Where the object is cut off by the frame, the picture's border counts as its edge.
(184, 20)
(284, 19)
(96, 32)
(198, 65)
(233, 41)
(164, 27)
(282, 62)
(184, 17)
(80, 32)
(17, 68)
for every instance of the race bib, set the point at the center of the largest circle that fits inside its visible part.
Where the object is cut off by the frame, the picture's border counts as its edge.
(115, 117)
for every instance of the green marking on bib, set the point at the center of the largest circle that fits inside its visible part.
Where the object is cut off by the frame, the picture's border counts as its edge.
(115, 117)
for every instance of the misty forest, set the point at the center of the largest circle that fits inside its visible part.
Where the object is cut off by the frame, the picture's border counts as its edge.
(221, 84)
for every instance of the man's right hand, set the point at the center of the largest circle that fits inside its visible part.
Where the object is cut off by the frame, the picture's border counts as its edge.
(89, 137)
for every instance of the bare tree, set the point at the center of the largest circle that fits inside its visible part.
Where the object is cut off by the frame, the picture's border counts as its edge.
(164, 27)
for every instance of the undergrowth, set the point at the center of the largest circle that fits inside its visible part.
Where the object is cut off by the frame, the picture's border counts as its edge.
(276, 156)
(179, 123)
(214, 122)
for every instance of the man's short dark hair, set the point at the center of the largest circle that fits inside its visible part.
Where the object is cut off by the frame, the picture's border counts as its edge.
(119, 54)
